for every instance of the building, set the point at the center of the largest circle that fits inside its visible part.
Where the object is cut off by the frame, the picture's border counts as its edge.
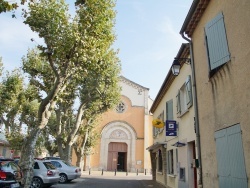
(174, 147)
(219, 39)
(5, 151)
(125, 133)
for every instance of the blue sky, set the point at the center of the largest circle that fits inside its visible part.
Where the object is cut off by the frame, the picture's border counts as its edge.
(147, 32)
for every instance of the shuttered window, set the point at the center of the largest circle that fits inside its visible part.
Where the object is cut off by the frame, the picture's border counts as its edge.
(170, 164)
(189, 98)
(178, 102)
(184, 98)
(230, 158)
(216, 42)
(169, 110)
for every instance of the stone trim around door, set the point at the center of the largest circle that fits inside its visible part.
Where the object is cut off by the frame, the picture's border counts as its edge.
(118, 132)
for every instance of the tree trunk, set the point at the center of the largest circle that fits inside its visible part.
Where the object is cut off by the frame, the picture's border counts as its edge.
(67, 153)
(80, 151)
(27, 158)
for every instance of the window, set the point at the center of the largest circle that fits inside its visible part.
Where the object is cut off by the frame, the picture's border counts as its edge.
(36, 166)
(170, 162)
(120, 108)
(159, 161)
(182, 174)
(56, 164)
(216, 42)
(169, 110)
(184, 99)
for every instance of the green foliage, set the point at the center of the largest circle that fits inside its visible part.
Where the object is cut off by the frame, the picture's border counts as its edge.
(16, 139)
(76, 63)
(5, 6)
(10, 91)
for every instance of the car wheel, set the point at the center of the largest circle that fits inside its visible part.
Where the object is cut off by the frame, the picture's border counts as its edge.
(63, 178)
(36, 183)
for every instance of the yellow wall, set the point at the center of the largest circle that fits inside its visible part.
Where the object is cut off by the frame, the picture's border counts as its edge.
(223, 99)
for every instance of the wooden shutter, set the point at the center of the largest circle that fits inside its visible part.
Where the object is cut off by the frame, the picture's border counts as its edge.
(217, 42)
(189, 96)
(169, 110)
(178, 102)
(230, 158)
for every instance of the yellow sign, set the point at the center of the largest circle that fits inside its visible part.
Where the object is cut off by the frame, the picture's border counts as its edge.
(158, 123)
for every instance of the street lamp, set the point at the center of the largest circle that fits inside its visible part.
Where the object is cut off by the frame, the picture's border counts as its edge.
(176, 66)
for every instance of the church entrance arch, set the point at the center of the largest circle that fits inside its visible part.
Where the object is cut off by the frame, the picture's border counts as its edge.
(117, 156)
(118, 147)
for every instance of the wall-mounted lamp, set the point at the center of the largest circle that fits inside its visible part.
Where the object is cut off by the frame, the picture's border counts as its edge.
(176, 66)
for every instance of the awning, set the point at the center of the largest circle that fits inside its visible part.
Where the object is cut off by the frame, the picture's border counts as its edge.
(156, 145)
(179, 144)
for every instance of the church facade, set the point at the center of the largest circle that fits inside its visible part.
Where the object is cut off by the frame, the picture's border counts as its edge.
(126, 132)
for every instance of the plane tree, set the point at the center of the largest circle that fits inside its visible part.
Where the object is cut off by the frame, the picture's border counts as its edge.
(72, 49)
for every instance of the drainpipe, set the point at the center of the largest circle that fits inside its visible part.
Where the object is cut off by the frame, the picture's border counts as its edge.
(197, 127)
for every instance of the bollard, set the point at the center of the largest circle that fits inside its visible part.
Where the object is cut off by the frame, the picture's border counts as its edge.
(145, 172)
(126, 173)
(89, 171)
(137, 172)
(102, 172)
(115, 172)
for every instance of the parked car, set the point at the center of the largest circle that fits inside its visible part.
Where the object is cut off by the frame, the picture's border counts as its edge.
(10, 174)
(67, 172)
(45, 174)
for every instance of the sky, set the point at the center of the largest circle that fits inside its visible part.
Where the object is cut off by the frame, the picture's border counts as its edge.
(147, 33)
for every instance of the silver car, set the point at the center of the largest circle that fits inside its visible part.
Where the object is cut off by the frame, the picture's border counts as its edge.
(45, 174)
(67, 172)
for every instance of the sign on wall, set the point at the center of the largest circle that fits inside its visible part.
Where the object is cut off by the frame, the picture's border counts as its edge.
(171, 128)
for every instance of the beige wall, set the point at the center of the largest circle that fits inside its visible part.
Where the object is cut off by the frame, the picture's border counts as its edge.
(223, 100)
(186, 132)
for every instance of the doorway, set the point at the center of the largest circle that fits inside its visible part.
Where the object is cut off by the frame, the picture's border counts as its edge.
(121, 162)
(117, 156)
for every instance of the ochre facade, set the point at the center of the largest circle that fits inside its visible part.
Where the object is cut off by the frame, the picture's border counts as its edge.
(126, 132)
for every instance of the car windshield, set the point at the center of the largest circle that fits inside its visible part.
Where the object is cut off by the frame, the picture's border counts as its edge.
(49, 165)
(8, 166)
(67, 163)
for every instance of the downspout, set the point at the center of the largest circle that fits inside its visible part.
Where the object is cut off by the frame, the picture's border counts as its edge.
(197, 127)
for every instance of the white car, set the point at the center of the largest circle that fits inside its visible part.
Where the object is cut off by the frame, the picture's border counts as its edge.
(67, 172)
(45, 174)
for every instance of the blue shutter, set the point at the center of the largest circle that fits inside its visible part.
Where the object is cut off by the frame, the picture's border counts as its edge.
(169, 110)
(237, 160)
(230, 158)
(223, 160)
(217, 42)
(189, 92)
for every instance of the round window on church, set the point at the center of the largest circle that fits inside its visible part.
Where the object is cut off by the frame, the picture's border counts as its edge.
(120, 108)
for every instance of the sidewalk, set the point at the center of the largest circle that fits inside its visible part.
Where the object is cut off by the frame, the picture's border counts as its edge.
(146, 180)
(108, 173)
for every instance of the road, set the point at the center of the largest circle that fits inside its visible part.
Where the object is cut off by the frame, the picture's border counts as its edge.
(94, 181)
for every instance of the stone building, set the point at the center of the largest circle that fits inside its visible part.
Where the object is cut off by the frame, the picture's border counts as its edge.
(126, 132)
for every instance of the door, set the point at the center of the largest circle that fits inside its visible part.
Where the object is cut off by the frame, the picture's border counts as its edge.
(121, 165)
(117, 156)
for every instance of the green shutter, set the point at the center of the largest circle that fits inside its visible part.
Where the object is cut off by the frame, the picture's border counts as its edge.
(169, 110)
(188, 87)
(217, 42)
(178, 102)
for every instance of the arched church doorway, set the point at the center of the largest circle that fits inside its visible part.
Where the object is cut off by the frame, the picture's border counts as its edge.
(117, 156)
